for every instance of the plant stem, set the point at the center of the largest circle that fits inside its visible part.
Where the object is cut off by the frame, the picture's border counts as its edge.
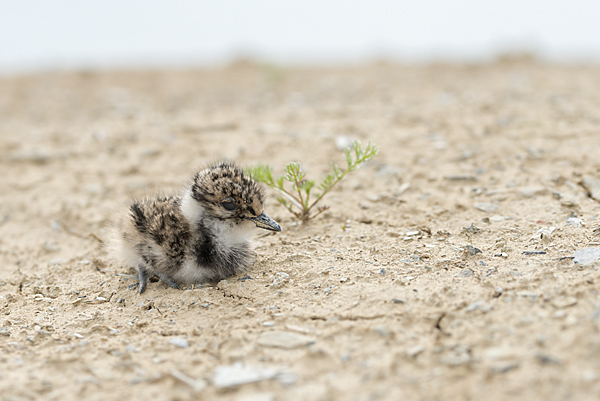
(290, 197)
(318, 213)
(297, 185)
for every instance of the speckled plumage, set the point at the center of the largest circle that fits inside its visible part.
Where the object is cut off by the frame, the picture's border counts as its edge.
(202, 236)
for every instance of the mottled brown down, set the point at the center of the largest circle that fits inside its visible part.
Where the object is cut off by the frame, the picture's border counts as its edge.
(202, 236)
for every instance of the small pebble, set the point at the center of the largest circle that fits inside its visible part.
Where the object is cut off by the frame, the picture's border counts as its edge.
(462, 178)
(503, 367)
(589, 376)
(548, 359)
(529, 253)
(592, 184)
(486, 207)
(564, 302)
(284, 339)
(472, 229)
(196, 384)
(179, 342)
(478, 305)
(472, 251)
(51, 246)
(586, 256)
(239, 374)
(280, 279)
(382, 331)
(93, 189)
(414, 351)
(574, 222)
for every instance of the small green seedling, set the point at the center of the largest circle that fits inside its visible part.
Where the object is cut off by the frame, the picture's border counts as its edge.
(297, 200)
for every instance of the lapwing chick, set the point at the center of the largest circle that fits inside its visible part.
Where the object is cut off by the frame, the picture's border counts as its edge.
(202, 236)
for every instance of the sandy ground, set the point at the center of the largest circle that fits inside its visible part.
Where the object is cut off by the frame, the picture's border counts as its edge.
(444, 269)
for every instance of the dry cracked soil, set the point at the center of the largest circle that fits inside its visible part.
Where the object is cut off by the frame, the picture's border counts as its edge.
(459, 264)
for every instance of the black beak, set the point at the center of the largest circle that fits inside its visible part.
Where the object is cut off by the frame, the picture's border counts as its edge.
(264, 221)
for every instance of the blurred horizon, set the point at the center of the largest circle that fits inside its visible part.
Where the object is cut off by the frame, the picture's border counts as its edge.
(65, 34)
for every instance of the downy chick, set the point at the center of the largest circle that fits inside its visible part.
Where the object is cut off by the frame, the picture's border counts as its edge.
(202, 236)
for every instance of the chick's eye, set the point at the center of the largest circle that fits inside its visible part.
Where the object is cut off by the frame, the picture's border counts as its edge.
(229, 206)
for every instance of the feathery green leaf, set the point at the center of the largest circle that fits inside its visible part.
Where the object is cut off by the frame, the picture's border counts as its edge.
(299, 196)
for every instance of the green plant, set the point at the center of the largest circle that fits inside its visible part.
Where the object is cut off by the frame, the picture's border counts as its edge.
(299, 196)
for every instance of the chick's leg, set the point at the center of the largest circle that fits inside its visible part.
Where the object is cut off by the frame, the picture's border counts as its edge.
(168, 280)
(143, 274)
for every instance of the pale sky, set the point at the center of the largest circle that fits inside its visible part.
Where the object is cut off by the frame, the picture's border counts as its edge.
(43, 34)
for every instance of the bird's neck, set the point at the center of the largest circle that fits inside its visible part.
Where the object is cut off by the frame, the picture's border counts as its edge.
(226, 234)
(192, 210)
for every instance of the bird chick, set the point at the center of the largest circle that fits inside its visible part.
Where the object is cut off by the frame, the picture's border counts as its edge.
(202, 236)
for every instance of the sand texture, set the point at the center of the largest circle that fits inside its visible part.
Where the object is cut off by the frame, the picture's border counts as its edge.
(451, 267)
